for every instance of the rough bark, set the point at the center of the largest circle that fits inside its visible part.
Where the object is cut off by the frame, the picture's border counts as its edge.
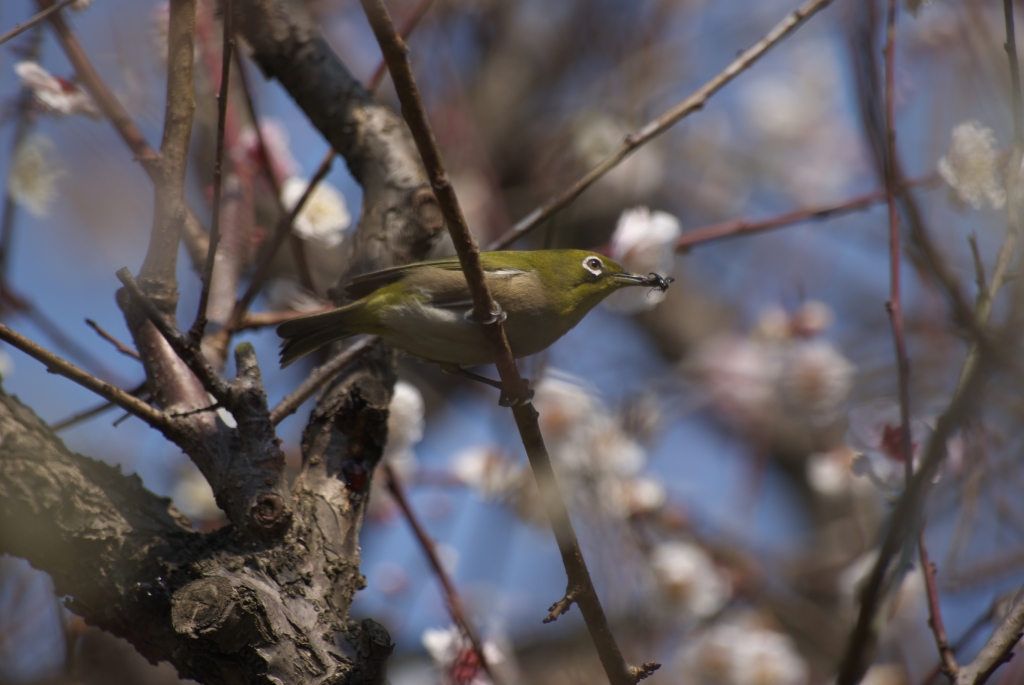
(249, 603)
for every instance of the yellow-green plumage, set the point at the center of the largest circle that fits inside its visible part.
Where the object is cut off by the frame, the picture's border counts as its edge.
(422, 308)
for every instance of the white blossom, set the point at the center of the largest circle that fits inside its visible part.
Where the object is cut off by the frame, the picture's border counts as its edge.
(405, 427)
(643, 242)
(971, 166)
(811, 318)
(323, 218)
(35, 170)
(741, 654)
(79, 5)
(596, 136)
(455, 657)
(627, 497)
(689, 578)
(54, 94)
(831, 473)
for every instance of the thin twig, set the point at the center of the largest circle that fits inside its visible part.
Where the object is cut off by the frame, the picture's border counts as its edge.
(1011, 54)
(54, 364)
(455, 608)
(227, 44)
(21, 28)
(25, 122)
(411, 22)
(297, 244)
(61, 340)
(997, 650)
(87, 414)
(284, 228)
(946, 655)
(740, 227)
(488, 315)
(319, 377)
(664, 122)
(118, 345)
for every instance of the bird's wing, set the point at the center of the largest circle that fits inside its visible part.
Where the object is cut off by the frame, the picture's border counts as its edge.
(363, 285)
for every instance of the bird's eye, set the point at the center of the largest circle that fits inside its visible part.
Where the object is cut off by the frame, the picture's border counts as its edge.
(593, 265)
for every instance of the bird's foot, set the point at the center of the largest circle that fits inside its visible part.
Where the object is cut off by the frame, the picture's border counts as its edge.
(496, 315)
(525, 397)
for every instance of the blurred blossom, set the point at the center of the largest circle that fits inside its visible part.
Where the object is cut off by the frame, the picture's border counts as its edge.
(53, 94)
(194, 498)
(287, 294)
(780, 372)
(971, 166)
(643, 242)
(816, 378)
(32, 180)
(405, 430)
(810, 144)
(597, 136)
(690, 579)
(632, 496)
(486, 469)
(741, 653)
(455, 657)
(405, 422)
(159, 21)
(80, 5)
(275, 137)
(874, 433)
(831, 473)
(811, 318)
(323, 218)
(6, 365)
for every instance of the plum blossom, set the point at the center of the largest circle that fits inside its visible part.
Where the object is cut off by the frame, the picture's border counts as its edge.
(323, 218)
(689, 579)
(6, 365)
(405, 426)
(454, 656)
(35, 170)
(780, 372)
(971, 167)
(874, 434)
(490, 472)
(53, 94)
(643, 242)
(741, 653)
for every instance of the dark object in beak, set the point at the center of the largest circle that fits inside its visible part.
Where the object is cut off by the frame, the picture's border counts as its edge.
(652, 280)
(659, 282)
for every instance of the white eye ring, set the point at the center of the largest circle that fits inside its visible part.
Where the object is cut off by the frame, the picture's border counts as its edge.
(593, 265)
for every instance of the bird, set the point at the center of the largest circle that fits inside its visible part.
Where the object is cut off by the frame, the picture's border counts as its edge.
(425, 309)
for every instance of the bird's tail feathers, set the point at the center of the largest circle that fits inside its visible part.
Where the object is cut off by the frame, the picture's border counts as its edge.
(310, 333)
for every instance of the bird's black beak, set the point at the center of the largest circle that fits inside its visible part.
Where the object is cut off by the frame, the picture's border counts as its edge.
(653, 280)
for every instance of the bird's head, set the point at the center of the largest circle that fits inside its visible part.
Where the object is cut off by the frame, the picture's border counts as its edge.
(586, 278)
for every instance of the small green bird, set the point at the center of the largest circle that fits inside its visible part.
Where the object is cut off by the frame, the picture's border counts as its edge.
(425, 309)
